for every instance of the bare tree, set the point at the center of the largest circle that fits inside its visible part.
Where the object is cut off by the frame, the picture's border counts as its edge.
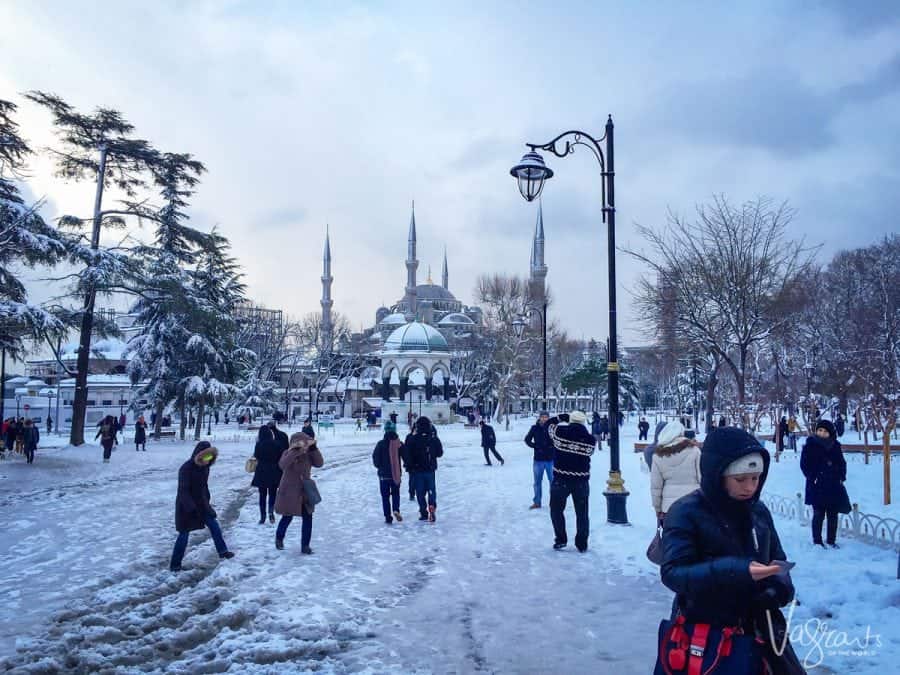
(722, 276)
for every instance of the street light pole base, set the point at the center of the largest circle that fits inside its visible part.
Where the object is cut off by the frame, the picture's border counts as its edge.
(616, 511)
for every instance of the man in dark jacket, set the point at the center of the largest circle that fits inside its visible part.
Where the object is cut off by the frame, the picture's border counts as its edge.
(386, 458)
(839, 425)
(193, 510)
(822, 463)
(308, 428)
(30, 435)
(643, 429)
(538, 439)
(489, 443)
(420, 454)
(574, 446)
(720, 545)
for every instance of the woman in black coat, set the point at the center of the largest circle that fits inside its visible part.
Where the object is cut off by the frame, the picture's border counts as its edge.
(192, 508)
(140, 434)
(268, 474)
(719, 544)
(823, 464)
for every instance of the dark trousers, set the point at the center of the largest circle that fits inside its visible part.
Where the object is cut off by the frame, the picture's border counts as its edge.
(29, 454)
(305, 528)
(271, 491)
(390, 496)
(491, 448)
(818, 518)
(107, 448)
(579, 489)
(424, 485)
(642, 435)
(182, 541)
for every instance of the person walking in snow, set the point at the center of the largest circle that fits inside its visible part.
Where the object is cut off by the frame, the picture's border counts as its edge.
(296, 464)
(107, 435)
(571, 477)
(140, 434)
(651, 449)
(822, 463)
(538, 439)
(307, 428)
(193, 510)
(839, 425)
(676, 468)
(267, 475)
(420, 454)
(31, 435)
(643, 429)
(721, 548)
(386, 458)
(489, 443)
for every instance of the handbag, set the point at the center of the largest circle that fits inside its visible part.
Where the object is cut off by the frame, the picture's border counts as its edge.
(701, 649)
(311, 492)
(843, 500)
(250, 465)
(654, 550)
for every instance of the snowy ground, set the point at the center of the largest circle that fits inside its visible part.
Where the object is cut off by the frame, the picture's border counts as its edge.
(85, 547)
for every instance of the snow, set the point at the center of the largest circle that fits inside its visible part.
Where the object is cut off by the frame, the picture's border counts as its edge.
(85, 546)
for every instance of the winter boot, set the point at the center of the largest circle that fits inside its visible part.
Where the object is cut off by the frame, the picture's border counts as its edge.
(306, 550)
(227, 555)
(423, 515)
(279, 544)
(388, 520)
(398, 517)
(262, 520)
(431, 515)
(534, 506)
(272, 518)
(558, 546)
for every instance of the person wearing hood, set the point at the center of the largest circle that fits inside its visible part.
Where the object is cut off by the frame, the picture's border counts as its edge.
(386, 458)
(720, 548)
(140, 434)
(267, 474)
(538, 439)
(489, 443)
(31, 437)
(676, 468)
(420, 453)
(574, 446)
(643, 429)
(193, 510)
(650, 449)
(296, 464)
(822, 463)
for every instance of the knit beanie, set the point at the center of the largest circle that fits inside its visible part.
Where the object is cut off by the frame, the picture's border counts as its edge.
(752, 463)
(828, 426)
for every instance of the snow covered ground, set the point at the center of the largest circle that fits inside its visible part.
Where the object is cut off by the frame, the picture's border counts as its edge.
(84, 585)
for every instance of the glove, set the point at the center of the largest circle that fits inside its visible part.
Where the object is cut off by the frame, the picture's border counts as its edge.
(767, 599)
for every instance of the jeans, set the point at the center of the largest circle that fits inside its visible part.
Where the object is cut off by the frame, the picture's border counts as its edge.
(390, 496)
(107, 449)
(579, 489)
(305, 528)
(182, 541)
(642, 435)
(423, 483)
(817, 520)
(262, 501)
(540, 468)
(492, 449)
(29, 454)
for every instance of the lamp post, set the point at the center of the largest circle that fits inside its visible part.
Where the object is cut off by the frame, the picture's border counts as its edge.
(519, 328)
(531, 173)
(809, 369)
(18, 400)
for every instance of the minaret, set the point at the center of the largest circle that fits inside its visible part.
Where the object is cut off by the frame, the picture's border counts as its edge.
(538, 277)
(411, 265)
(326, 301)
(445, 276)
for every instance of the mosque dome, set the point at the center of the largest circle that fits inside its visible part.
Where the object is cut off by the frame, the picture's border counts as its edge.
(416, 337)
(393, 320)
(433, 292)
(456, 319)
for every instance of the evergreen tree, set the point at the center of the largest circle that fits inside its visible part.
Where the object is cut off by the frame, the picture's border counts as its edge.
(25, 240)
(99, 147)
(165, 307)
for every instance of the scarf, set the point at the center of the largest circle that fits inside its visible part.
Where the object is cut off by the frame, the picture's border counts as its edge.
(394, 452)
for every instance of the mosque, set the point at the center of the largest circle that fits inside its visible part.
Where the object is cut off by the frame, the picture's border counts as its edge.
(413, 338)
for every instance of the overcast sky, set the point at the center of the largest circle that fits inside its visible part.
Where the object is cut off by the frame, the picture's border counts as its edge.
(307, 114)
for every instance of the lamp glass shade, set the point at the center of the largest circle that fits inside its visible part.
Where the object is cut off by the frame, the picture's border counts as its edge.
(531, 172)
(518, 327)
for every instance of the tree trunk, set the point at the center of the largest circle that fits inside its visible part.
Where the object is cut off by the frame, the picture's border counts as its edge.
(886, 448)
(198, 427)
(710, 397)
(182, 423)
(157, 427)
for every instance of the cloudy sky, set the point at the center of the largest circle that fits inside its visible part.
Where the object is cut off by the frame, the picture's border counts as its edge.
(343, 113)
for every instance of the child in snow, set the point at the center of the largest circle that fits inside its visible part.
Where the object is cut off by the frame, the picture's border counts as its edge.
(720, 548)
(296, 464)
(386, 458)
(192, 508)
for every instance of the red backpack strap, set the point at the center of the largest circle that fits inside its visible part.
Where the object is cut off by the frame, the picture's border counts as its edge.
(697, 649)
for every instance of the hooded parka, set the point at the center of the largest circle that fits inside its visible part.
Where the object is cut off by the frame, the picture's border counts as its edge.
(192, 503)
(296, 464)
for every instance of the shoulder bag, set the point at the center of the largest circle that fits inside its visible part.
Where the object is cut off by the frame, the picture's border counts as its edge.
(654, 550)
(311, 492)
(250, 465)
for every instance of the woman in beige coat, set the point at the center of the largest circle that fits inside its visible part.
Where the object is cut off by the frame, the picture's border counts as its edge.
(675, 471)
(296, 464)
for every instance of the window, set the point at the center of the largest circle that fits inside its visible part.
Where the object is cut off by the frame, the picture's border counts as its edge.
(91, 401)
(106, 402)
(123, 401)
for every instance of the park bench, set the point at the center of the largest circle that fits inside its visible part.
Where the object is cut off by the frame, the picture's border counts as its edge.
(640, 447)
(373, 426)
(166, 433)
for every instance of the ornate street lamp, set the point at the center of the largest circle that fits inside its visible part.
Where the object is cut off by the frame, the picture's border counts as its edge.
(519, 328)
(531, 173)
